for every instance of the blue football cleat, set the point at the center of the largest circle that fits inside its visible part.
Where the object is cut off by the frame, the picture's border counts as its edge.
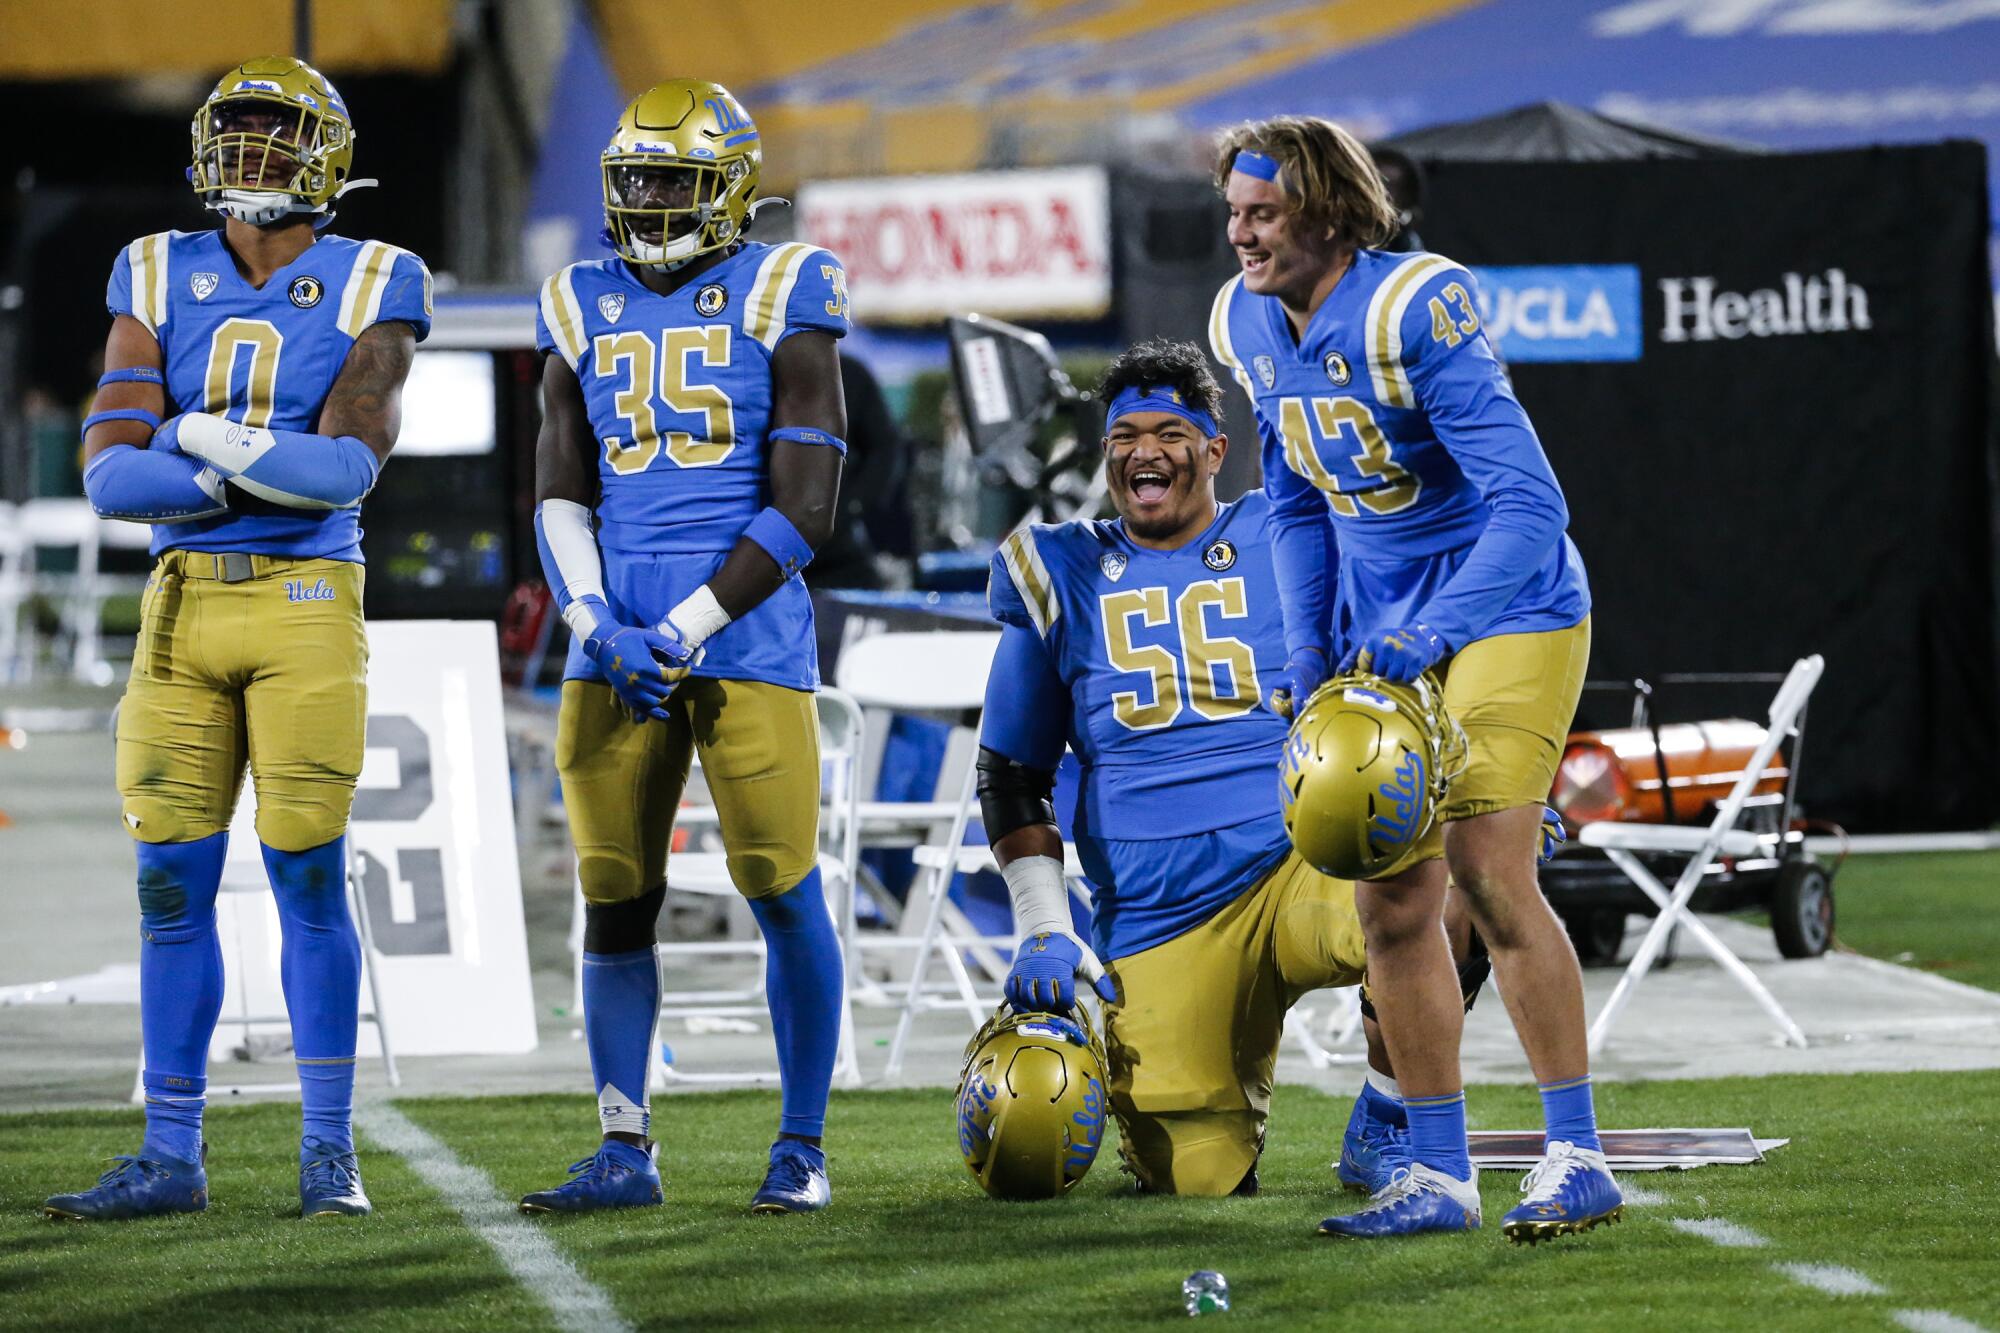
(330, 1183)
(618, 1176)
(796, 1182)
(1572, 1190)
(1416, 1199)
(1371, 1151)
(137, 1187)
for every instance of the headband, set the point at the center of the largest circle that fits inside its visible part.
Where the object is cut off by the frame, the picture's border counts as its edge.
(1253, 163)
(1153, 398)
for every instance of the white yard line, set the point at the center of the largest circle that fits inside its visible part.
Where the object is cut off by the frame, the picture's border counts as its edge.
(1832, 1279)
(1720, 1230)
(1934, 1321)
(1639, 1196)
(573, 1299)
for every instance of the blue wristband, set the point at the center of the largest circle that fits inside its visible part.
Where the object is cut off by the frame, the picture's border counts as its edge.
(807, 435)
(152, 419)
(132, 375)
(780, 540)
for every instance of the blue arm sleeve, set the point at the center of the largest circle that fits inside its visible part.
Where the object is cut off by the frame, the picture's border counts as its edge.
(1303, 554)
(1472, 408)
(1027, 704)
(150, 486)
(286, 467)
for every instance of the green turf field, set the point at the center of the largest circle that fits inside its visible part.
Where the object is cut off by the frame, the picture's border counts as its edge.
(1892, 1176)
(1935, 910)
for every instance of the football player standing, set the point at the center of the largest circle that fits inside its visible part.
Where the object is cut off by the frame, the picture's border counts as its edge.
(1139, 644)
(688, 467)
(1379, 401)
(276, 355)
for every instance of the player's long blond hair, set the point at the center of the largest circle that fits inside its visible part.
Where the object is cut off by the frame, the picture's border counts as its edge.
(1328, 175)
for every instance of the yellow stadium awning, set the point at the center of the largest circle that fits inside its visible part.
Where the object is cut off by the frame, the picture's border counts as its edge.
(109, 39)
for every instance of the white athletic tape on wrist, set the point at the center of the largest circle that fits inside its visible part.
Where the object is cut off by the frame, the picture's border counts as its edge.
(1041, 899)
(697, 617)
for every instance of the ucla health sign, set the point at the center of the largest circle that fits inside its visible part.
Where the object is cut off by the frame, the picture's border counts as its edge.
(1562, 312)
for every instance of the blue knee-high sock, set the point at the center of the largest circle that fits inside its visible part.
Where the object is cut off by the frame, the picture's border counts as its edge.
(1569, 1113)
(320, 966)
(180, 987)
(621, 1008)
(1437, 1134)
(802, 976)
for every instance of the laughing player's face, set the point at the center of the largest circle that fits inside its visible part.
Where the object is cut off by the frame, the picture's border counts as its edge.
(1161, 474)
(1273, 243)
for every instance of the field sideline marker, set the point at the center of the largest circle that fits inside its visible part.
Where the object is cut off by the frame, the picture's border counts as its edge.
(1720, 1230)
(1934, 1321)
(1832, 1279)
(526, 1252)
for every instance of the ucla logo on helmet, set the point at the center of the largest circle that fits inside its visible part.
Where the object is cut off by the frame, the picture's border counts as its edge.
(1267, 370)
(1336, 368)
(203, 284)
(611, 305)
(1220, 555)
(710, 299)
(306, 291)
(1113, 566)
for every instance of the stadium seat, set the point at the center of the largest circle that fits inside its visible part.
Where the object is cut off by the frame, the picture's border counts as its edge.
(1703, 847)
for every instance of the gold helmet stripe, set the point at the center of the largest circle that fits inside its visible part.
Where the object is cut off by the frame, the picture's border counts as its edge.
(564, 316)
(772, 292)
(1219, 340)
(1031, 579)
(1384, 327)
(361, 298)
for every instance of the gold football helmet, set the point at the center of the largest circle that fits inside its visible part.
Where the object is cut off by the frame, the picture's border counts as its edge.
(680, 173)
(1031, 1103)
(274, 138)
(1364, 770)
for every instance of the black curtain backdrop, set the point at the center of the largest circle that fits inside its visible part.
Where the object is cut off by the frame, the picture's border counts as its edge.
(1743, 501)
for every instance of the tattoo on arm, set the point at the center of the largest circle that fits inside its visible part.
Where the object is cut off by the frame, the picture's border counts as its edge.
(367, 398)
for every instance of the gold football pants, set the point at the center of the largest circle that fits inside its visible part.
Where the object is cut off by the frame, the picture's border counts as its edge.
(245, 659)
(1193, 1039)
(1515, 695)
(622, 782)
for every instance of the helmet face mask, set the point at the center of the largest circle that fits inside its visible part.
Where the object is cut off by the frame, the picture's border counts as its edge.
(1032, 1103)
(1365, 769)
(273, 139)
(680, 174)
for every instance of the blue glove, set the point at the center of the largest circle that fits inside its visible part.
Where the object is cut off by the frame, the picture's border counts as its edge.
(1045, 970)
(1554, 835)
(1290, 688)
(1399, 655)
(641, 665)
(167, 439)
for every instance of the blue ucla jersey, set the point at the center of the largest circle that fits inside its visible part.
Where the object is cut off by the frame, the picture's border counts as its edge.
(1393, 408)
(1161, 653)
(678, 389)
(264, 356)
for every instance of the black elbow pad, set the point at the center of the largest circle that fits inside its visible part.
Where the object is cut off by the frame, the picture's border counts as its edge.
(1013, 796)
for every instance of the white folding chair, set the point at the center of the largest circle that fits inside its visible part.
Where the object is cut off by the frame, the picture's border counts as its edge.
(705, 873)
(1622, 842)
(65, 523)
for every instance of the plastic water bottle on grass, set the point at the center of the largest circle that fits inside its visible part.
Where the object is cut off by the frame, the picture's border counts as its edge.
(1206, 1292)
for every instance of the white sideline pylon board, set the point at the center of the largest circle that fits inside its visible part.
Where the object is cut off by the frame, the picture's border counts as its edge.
(432, 834)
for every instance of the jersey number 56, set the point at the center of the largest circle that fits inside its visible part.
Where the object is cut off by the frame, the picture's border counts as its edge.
(1220, 673)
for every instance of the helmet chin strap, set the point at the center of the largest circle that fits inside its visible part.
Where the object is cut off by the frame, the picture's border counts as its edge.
(759, 205)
